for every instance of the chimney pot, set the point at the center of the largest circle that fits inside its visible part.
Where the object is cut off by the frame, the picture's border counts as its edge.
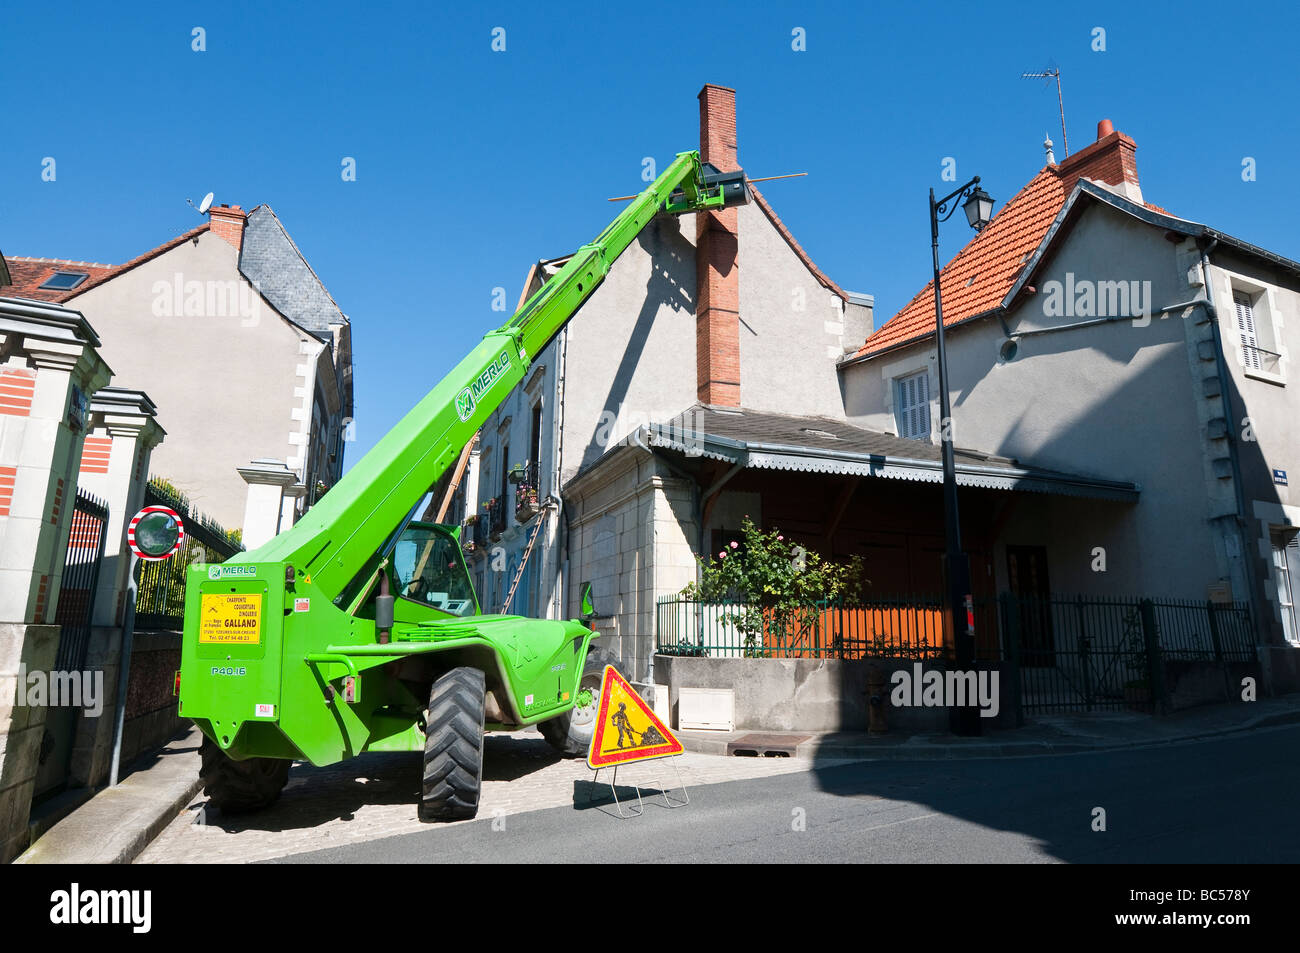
(1104, 129)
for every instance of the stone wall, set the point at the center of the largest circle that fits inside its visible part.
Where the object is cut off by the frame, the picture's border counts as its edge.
(32, 648)
(809, 694)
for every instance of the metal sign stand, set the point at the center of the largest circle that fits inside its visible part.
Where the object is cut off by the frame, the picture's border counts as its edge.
(667, 793)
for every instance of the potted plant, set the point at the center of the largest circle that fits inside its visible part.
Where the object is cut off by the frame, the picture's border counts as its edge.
(526, 503)
(773, 591)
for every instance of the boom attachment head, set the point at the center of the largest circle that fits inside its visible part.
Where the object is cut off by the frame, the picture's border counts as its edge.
(718, 190)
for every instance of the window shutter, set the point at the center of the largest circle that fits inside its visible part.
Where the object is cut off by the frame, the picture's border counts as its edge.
(914, 406)
(1246, 328)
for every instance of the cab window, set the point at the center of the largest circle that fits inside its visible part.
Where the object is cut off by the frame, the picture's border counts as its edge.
(429, 570)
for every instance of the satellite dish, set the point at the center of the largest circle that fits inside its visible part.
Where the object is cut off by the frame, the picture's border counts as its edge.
(205, 204)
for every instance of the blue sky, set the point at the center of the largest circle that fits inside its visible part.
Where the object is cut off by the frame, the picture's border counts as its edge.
(472, 163)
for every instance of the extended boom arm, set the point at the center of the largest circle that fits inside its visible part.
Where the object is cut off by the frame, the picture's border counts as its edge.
(339, 537)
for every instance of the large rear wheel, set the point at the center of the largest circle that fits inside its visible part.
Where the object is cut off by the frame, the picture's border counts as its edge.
(236, 787)
(453, 747)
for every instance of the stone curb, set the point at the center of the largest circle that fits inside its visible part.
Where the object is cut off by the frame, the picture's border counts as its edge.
(117, 824)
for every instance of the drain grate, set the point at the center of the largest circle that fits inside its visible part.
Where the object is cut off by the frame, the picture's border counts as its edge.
(760, 745)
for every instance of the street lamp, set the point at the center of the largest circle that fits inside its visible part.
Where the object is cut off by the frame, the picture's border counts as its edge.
(978, 206)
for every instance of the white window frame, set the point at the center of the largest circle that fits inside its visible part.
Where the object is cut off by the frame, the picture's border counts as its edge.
(907, 416)
(1282, 541)
(1260, 352)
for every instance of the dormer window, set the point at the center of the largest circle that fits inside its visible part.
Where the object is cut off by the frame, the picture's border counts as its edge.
(63, 281)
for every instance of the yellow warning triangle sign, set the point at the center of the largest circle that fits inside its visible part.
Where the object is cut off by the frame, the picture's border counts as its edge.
(627, 729)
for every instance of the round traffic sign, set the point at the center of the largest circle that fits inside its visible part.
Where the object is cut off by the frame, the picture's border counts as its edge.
(155, 532)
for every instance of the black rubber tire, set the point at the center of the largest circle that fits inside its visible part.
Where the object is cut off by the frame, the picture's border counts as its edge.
(237, 787)
(571, 736)
(453, 747)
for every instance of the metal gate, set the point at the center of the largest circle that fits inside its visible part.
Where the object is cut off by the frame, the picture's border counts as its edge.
(1099, 659)
(76, 606)
(75, 615)
(1109, 654)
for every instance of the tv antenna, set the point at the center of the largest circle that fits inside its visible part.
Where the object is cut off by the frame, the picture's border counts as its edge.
(1054, 73)
(202, 207)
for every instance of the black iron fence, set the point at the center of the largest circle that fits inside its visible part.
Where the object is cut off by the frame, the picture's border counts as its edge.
(895, 627)
(1093, 653)
(160, 600)
(1064, 653)
(76, 607)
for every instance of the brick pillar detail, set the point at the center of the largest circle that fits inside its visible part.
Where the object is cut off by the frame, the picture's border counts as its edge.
(717, 275)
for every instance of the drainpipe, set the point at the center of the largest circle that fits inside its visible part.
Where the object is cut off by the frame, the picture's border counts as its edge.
(561, 548)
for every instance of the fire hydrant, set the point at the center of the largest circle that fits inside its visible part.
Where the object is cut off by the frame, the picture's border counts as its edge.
(877, 723)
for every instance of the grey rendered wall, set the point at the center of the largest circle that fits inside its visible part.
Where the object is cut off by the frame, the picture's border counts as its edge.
(224, 384)
(631, 350)
(1113, 401)
(628, 358)
(1265, 410)
(792, 329)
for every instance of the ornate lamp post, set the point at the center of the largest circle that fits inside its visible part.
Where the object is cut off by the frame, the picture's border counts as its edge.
(978, 206)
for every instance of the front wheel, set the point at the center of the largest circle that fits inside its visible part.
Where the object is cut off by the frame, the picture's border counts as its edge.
(570, 733)
(453, 747)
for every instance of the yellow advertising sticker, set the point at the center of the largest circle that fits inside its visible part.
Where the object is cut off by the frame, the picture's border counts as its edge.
(231, 617)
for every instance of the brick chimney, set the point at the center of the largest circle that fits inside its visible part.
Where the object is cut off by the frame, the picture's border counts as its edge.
(717, 276)
(227, 222)
(1111, 160)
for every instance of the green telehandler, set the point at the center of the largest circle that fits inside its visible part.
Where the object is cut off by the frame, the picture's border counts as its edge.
(358, 629)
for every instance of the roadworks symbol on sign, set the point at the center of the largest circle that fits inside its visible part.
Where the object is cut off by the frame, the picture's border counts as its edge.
(626, 728)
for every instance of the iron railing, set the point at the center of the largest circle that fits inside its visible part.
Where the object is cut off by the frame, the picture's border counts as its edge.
(81, 563)
(495, 511)
(899, 627)
(1090, 653)
(915, 626)
(160, 598)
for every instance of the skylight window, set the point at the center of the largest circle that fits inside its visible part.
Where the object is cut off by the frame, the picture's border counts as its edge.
(63, 281)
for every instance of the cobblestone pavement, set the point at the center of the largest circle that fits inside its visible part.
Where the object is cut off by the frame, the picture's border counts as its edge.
(374, 796)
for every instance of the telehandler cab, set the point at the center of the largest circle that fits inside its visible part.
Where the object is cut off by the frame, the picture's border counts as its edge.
(358, 629)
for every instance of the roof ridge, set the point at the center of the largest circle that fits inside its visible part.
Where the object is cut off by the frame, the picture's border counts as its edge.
(1004, 228)
(60, 261)
(297, 251)
(798, 249)
(136, 261)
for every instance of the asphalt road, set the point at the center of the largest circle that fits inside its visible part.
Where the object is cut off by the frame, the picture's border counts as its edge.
(1227, 800)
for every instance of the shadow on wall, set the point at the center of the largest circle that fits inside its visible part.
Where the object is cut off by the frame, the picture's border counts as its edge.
(663, 243)
(1148, 430)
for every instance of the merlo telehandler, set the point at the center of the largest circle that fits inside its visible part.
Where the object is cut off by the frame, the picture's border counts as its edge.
(358, 629)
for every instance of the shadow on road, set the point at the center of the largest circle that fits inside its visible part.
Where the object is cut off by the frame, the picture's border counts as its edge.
(1219, 801)
(315, 796)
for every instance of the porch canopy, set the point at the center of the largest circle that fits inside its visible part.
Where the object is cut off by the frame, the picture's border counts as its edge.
(748, 439)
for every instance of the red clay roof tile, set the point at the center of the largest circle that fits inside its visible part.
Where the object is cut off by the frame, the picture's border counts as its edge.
(977, 280)
(28, 274)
